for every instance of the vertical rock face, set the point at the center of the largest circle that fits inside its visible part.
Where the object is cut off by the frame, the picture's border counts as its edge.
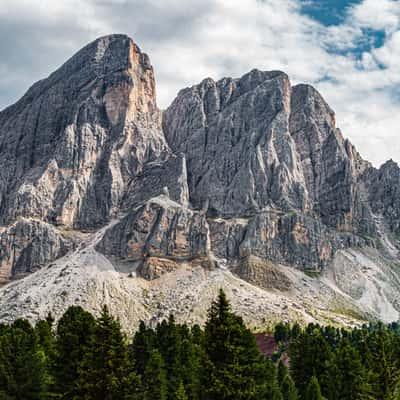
(330, 164)
(27, 244)
(383, 187)
(235, 135)
(69, 147)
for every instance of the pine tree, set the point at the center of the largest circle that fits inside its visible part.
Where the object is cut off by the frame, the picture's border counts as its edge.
(347, 376)
(313, 391)
(234, 368)
(385, 376)
(281, 332)
(273, 391)
(282, 371)
(288, 389)
(170, 347)
(154, 378)
(105, 364)
(180, 393)
(144, 341)
(74, 334)
(309, 356)
(23, 372)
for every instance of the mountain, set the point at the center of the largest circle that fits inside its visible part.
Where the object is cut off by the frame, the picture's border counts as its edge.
(245, 184)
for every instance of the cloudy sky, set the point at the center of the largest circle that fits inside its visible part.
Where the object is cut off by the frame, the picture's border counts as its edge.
(348, 49)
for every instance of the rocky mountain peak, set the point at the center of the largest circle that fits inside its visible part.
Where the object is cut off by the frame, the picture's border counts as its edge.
(74, 140)
(238, 179)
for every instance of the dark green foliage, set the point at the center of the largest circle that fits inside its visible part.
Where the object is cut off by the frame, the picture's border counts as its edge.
(309, 355)
(282, 332)
(23, 374)
(104, 366)
(313, 391)
(272, 388)
(90, 359)
(74, 334)
(288, 389)
(154, 378)
(180, 393)
(282, 372)
(346, 376)
(233, 366)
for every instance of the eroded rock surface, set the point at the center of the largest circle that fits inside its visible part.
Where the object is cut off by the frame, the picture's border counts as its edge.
(242, 175)
(158, 236)
(27, 245)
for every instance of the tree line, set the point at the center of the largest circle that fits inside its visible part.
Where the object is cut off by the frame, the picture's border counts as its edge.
(83, 357)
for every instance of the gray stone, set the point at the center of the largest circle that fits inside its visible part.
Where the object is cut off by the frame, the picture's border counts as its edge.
(250, 172)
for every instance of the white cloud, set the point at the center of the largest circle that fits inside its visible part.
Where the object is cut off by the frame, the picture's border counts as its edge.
(189, 40)
(377, 14)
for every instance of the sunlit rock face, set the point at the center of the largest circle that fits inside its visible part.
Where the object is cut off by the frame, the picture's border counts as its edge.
(70, 146)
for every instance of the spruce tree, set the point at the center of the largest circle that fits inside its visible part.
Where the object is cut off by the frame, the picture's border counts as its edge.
(105, 364)
(144, 341)
(313, 391)
(170, 347)
(347, 376)
(385, 376)
(74, 334)
(272, 389)
(154, 378)
(180, 393)
(309, 356)
(282, 371)
(288, 389)
(23, 372)
(234, 368)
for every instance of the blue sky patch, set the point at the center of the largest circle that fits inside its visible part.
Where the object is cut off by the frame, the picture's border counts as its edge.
(334, 13)
(327, 12)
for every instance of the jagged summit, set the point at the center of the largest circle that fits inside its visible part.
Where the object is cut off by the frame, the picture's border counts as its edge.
(107, 199)
(94, 120)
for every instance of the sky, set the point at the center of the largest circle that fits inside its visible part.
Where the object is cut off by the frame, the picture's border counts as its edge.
(348, 49)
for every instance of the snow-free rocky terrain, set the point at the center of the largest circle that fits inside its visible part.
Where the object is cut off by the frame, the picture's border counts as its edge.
(244, 184)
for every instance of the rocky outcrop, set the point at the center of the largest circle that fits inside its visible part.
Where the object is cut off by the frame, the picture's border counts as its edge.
(262, 273)
(158, 236)
(27, 244)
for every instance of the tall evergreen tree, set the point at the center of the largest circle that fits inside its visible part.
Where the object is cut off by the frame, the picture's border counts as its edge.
(346, 375)
(309, 356)
(144, 341)
(180, 393)
(272, 388)
(234, 368)
(282, 371)
(154, 379)
(23, 374)
(288, 389)
(313, 391)
(105, 364)
(75, 332)
(385, 376)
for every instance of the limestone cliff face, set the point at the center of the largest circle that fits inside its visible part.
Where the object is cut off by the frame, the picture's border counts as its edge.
(383, 186)
(239, 151)
(330, 163)
(27, 245)
(69, 147)
(158, 236)
(247, 173)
